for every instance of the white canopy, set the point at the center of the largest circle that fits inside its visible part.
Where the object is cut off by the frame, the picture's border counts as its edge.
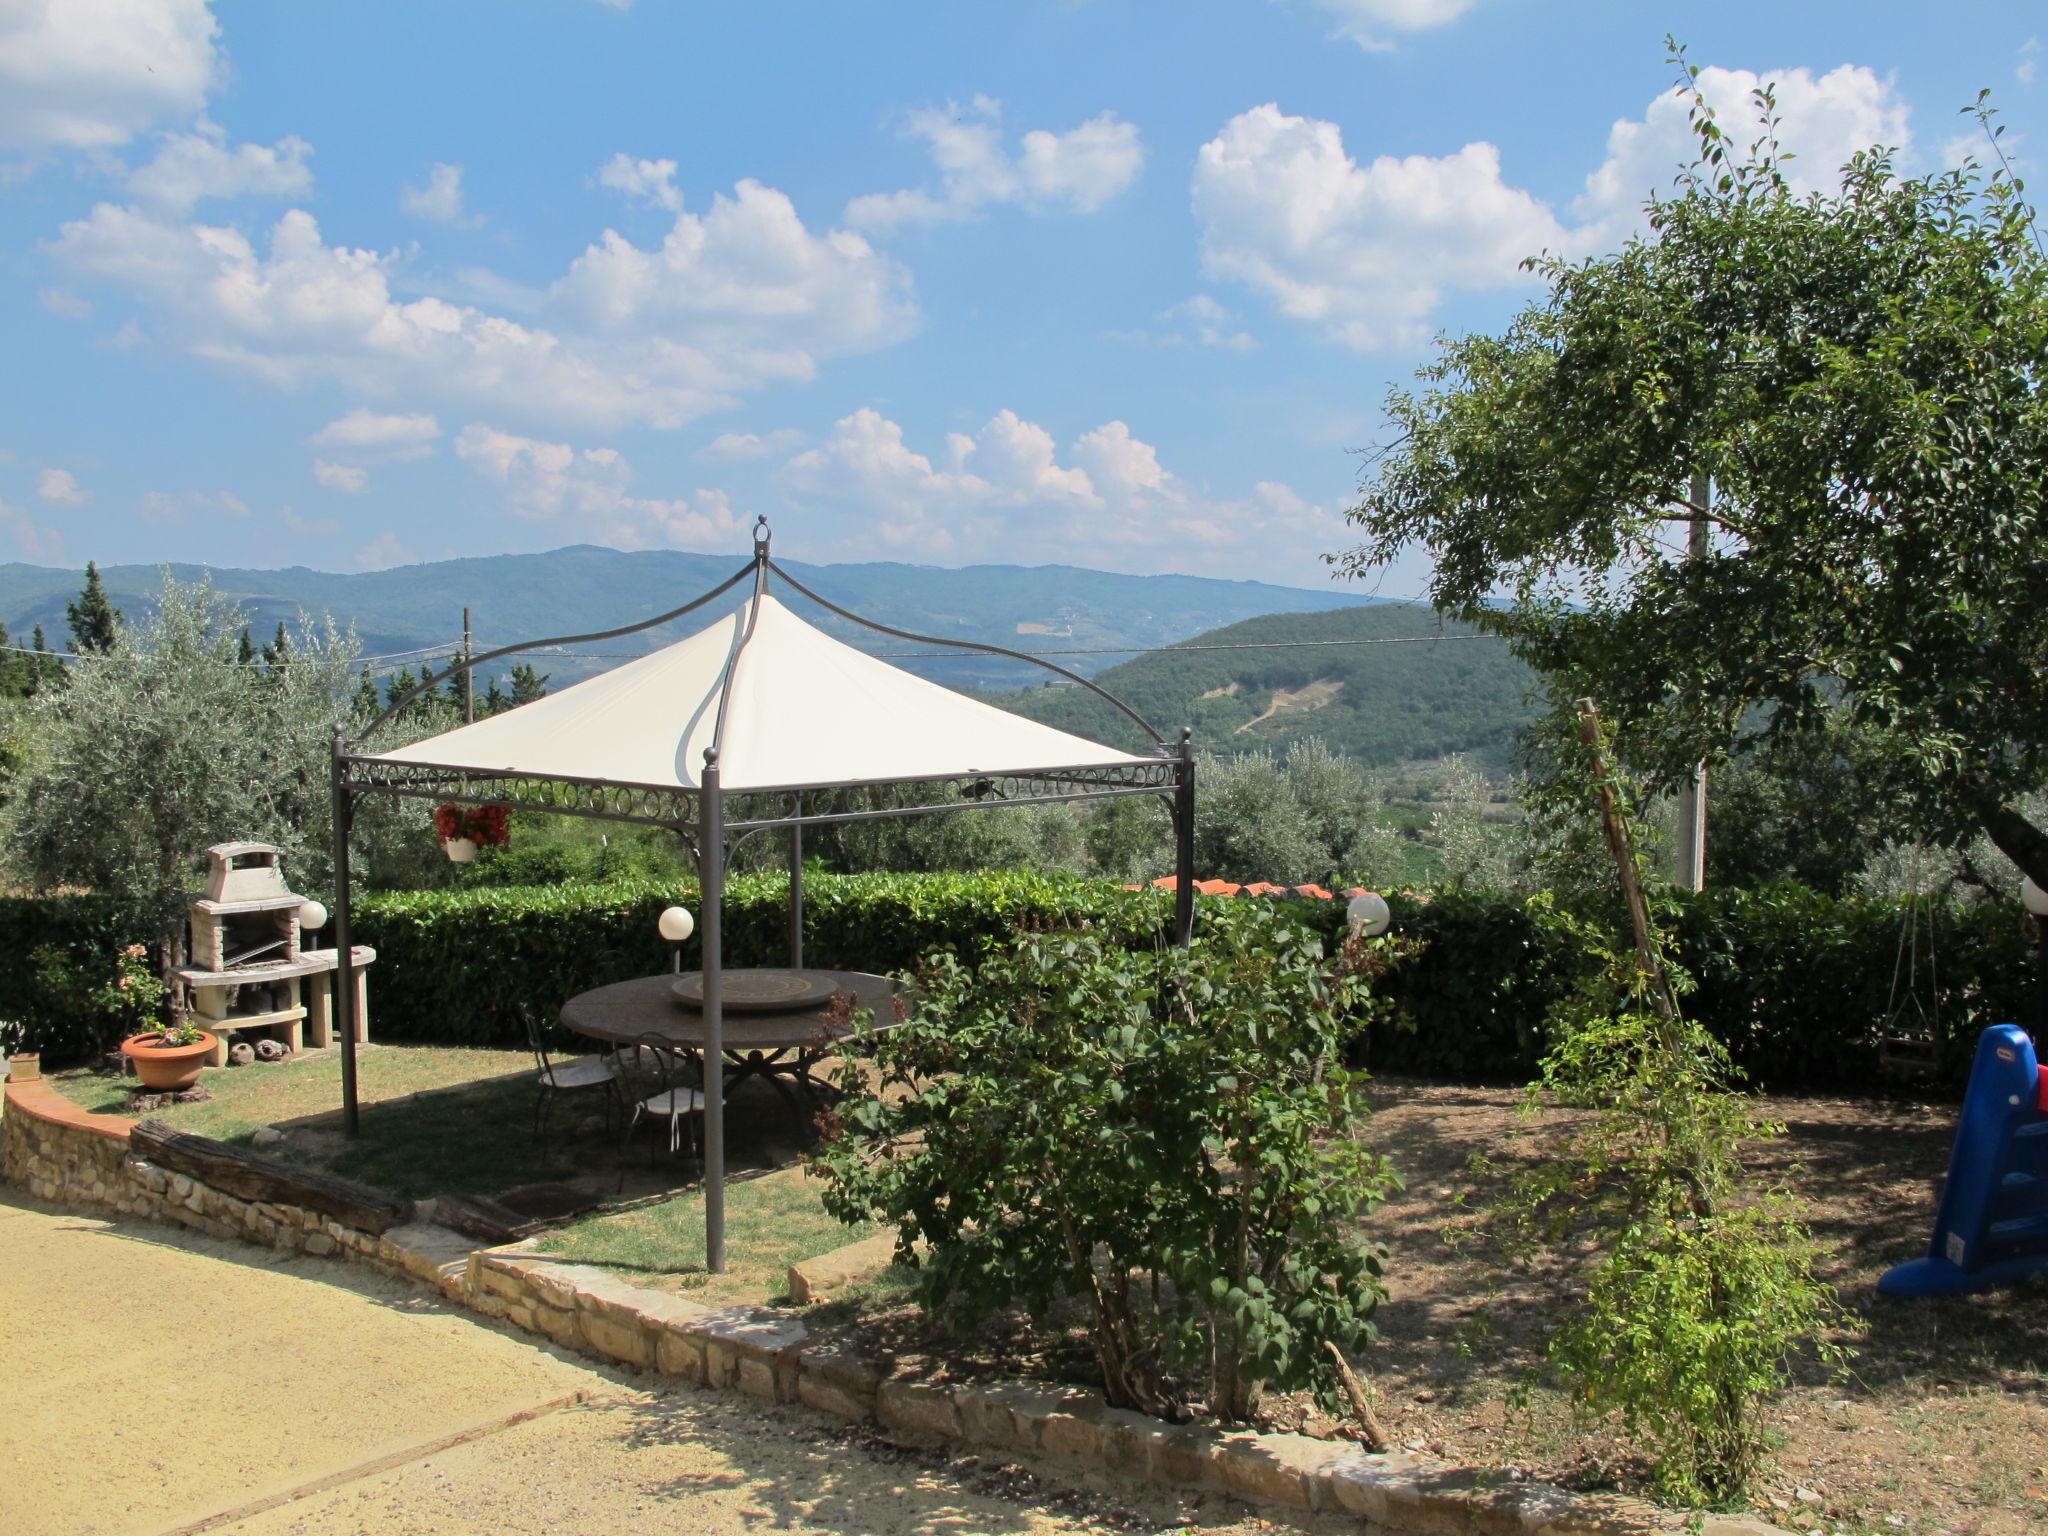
(807, 710)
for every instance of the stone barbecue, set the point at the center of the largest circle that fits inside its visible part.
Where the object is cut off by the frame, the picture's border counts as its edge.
(251, 974)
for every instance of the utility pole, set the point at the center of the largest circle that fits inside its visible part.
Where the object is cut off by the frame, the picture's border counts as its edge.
(1692, 798)
(468, 676)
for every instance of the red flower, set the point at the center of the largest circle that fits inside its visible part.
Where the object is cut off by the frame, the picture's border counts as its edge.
(448, 822)
(489, 825)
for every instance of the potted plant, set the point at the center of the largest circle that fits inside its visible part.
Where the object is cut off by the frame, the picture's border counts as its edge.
(463, 832)
(168, 1060)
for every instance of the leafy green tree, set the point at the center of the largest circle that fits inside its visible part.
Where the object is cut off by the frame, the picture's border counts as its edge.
(245, 648)
(164, 744)
(527, 685)
(49, 671)
(17, 672)
(93, 618)
(493, 701)
(278, 654)
(1859, 373)
(1164, 1136)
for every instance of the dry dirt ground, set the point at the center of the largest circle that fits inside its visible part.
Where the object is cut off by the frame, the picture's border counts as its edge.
(1941, 1425)
(154, 1381)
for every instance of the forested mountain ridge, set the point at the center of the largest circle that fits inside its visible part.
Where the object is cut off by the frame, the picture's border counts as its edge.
(1442, 687)
(584, 588)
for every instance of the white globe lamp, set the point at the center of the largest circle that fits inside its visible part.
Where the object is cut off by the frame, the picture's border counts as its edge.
(676, 925)
(1369, 915)
(312, 917)
(2032, 897)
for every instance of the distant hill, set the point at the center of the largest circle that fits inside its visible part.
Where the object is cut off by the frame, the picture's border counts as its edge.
(584, 588)
(1381, 703)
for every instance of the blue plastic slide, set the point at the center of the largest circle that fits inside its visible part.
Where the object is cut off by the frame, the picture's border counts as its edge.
(1992, 1228)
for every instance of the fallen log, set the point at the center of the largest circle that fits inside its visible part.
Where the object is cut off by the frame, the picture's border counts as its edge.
(250, 1176)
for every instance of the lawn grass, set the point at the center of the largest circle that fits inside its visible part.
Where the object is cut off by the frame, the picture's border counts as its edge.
(772, 1221)
(443, 1120)
(435, 1119)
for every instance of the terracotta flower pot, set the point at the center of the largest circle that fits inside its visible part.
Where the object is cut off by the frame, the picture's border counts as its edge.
(167, 1068)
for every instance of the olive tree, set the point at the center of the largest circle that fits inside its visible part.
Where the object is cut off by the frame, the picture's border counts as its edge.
(1859, 375)
(164, 743)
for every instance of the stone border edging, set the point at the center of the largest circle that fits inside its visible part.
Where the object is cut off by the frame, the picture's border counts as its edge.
(770, 1357)
(63, 1154)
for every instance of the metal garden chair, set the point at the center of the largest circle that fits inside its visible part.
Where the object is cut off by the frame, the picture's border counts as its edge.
(561, 1079)
(658, 1093)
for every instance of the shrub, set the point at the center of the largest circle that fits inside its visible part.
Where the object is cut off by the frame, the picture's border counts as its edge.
(1165, 1136)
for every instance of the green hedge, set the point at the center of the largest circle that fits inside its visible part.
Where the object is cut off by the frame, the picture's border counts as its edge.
(1796, 983)
(53, 950)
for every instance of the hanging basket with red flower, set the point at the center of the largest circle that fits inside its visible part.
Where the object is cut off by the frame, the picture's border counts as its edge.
(463, 832)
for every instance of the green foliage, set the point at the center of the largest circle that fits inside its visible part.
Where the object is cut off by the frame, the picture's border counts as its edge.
(1796, 985)
(55, 969)
(1702, 1286)
(1167, 1137)
(163, 744)
(1859, 373)
(1389, 703)
(93, 619)
(132, 996)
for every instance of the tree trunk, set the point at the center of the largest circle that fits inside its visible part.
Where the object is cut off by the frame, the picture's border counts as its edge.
(2015, 837)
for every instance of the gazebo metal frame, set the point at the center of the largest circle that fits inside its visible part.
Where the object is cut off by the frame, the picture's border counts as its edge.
(698, 817)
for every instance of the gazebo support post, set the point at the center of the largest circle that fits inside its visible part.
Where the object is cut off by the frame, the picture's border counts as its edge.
(711, 897)
(344, 1002)
(796, 888)
(1184, 841)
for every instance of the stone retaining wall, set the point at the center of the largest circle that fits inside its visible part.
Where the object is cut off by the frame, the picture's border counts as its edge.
(68, 1156)
(61, 1154)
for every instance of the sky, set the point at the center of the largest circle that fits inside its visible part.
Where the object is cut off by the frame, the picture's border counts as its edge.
(351, 284)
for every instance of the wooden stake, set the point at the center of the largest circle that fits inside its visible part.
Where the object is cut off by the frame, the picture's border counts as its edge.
(1370, 1431)
(1622, 847)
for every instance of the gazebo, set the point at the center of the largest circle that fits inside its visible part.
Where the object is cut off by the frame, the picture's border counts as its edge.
(759, 705)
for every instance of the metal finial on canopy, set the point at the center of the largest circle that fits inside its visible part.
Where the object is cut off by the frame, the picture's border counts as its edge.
(761, 537)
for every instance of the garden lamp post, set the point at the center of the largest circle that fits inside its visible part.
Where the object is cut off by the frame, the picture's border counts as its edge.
(2035, 900)
(1368, 915)
(676, 926)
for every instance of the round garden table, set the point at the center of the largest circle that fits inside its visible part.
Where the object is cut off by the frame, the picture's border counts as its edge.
(780, 1047)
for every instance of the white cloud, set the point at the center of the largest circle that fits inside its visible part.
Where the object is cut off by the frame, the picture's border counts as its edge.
(60, 485)
(368, 435)
(176, 506)
(589, 490)
(1077, 171)
(1369, 253)
(349, 479)
(1366, 252)
(440, 199)
(78, 75)
(2029, 65)
(34, 541)
(734, 298)
(62, 301)
(193, 166)
(1824, 120)
(1368, 23)
(652, 181)
(748, 280)
(1003, 494)
(745, 447)
(1198, 321)
(383, 552)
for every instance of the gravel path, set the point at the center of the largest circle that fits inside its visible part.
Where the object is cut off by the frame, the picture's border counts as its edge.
(153, 1381)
